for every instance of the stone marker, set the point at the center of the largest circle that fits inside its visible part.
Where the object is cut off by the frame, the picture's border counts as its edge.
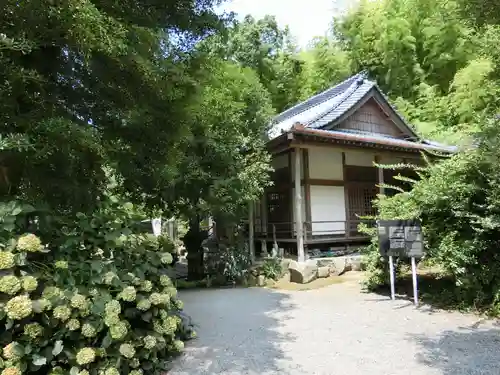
(341, 265)
(333, 270)
(336, 265)
(356, 263)
(261, 280)
(323, 271)
(302, 273)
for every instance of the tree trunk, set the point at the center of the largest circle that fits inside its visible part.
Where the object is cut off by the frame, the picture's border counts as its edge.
(193, 242)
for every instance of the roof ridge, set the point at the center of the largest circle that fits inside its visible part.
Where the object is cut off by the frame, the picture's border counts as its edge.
(345, 95)
(324, 95)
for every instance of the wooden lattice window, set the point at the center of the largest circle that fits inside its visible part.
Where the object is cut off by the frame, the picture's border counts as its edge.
(360, 201)
(277, 207)
(278, 213)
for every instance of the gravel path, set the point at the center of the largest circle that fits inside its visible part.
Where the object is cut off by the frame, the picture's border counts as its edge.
(334, 330)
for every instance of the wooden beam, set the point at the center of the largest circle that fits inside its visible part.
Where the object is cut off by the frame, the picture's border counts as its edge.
(325, 182)
(308, 182)
(346, 199)
(410, 157)
(298, 209)
(307, 191)
(281, 152)
(251, 231)
(290, 189)
(263, 215)
(380, 176)
(339, 146)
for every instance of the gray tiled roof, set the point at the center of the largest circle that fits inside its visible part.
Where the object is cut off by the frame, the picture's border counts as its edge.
(330, 105)
(347, 100)
(319, 98)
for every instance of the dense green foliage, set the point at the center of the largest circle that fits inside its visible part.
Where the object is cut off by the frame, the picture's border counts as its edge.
(457, 202)
(94, 92)
(271, 269)
(223, 164)
(325, 63)
(161, 104)
(101, 105)
(95, 300)
(438, 61)
(269, 51)
(89, 83)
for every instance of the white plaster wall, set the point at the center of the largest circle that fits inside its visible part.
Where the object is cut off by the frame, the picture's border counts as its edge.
(280, 161)
(328, 204)
(359, 158)
(303, 207)
(390, 159)
(325, 164)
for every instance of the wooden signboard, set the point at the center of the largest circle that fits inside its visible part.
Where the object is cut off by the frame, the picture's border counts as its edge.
(401, 238)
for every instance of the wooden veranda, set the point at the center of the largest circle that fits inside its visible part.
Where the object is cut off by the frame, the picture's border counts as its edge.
(285, 210)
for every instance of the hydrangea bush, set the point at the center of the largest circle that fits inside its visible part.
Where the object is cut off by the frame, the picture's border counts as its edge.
(227, 262)
(96, 302)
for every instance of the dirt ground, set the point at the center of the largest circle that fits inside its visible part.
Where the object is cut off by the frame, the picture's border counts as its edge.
(329, 330)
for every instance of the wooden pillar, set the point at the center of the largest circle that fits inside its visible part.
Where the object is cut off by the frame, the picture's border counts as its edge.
(346, 199)
(297, 202)
(211, 228)
(251, 240)
(380, 176)
(290, 190)
(307, 193)
(263, 214)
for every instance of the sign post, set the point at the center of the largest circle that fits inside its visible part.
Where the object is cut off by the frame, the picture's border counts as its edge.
(414, 279)
(391, 271)
(401, 238)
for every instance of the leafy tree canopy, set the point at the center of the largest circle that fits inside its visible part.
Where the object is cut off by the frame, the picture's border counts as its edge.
(224, 163)
(88, 83)
(267, 49)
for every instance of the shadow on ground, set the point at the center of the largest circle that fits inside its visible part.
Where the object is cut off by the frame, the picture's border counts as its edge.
(239, 332)
(463, 352)
(436, 292)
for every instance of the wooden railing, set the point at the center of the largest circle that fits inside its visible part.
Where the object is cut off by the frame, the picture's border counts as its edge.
(312, 230)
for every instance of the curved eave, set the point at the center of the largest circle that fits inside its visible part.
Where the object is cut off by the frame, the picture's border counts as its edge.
(302, 135)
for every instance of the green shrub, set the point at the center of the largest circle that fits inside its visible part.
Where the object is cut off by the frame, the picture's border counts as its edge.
(227, 263)
(96, 301)
(271, 269)
(458, 203)
(398, 206)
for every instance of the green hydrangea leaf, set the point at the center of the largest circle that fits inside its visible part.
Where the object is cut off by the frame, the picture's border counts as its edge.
(16, 211)
(147, 316)
(28, 349)
(38, 360)
(58, 348)
(9, 324)
(23, 366)
(106, 341)
(98, 307)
